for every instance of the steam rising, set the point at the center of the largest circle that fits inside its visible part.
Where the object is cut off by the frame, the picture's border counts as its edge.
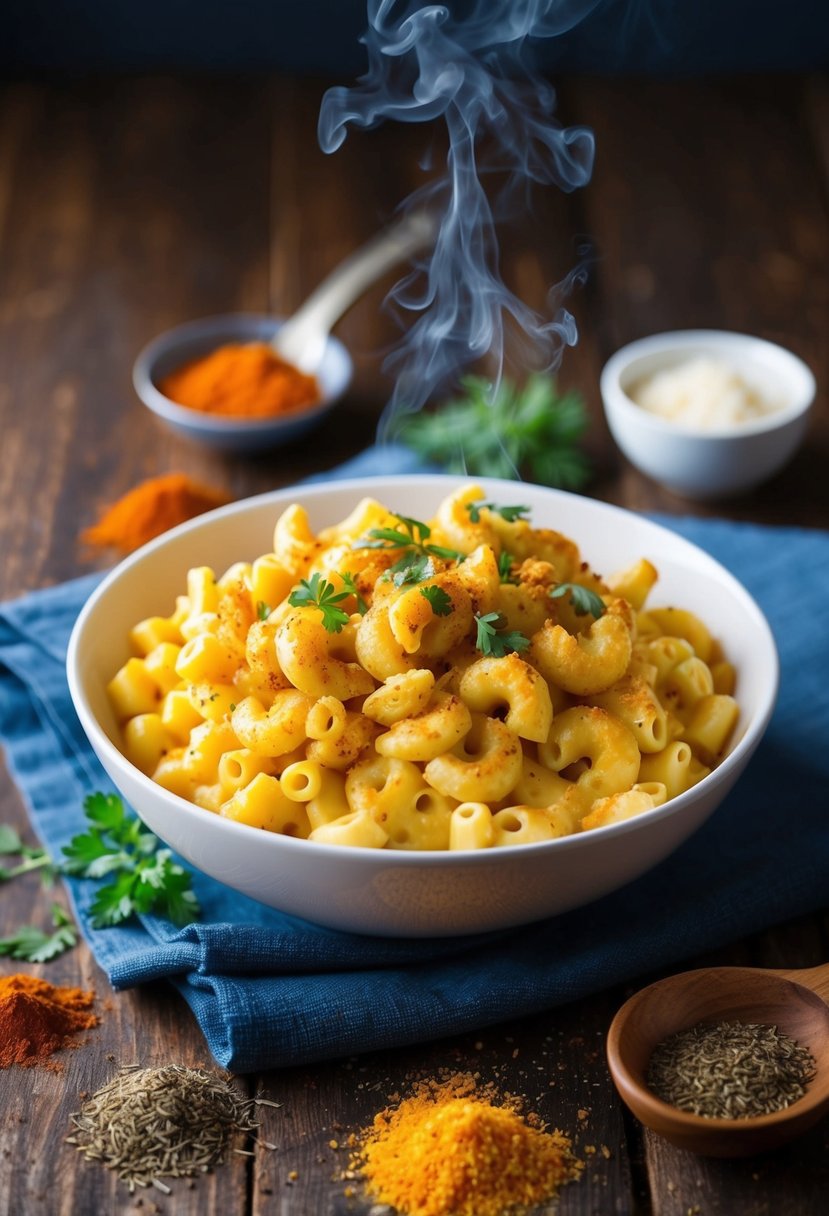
(468, 66)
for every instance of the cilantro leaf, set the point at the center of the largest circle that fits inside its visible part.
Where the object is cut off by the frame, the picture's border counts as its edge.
(263, 610)
(317, 592)
(35, 946)
(510, 514)
(439, 600)
(492, 640)
(584, 600)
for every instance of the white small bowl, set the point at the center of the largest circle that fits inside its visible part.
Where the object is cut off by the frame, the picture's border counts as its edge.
(193, 339)
(391, 892)
(730, 459)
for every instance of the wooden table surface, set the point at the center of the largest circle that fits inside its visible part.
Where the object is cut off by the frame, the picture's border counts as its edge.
(127, 205)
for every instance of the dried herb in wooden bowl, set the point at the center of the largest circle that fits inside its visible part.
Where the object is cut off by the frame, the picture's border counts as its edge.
(730, 1070)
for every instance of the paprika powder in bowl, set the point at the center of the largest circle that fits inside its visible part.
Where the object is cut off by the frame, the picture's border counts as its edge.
(218, 381)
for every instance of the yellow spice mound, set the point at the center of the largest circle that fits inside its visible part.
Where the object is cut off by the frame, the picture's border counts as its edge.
(450, 1150)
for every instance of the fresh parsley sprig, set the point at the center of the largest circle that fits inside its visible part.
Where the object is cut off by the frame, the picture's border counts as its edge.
(317, 592)
(35, 946)
(440, 600)
(31, 858)
(145, 878)
(584, 600)
(510, 514)
(531, 431)
(494, 640)
(412, 537)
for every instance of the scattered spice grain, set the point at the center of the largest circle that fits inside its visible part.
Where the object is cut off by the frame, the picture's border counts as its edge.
(150, 508)
(38, 1018)
(456, 1147)
(150, 1123)
(730, 1070)
(241, 380)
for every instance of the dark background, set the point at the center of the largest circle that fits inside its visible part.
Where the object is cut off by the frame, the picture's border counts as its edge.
(675, 37)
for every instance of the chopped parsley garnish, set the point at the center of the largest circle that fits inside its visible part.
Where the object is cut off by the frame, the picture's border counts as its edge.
(352, 589)
(505, 564)
(412, 537)
(317, 592)
(412, 567)
(584, 600)
(263, 610)
(510, 514)
(440, 600)
(494, 640)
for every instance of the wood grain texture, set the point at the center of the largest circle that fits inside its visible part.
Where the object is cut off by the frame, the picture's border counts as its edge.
(128, 205)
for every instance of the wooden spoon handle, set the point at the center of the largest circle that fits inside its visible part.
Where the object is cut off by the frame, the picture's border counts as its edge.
(815, 978)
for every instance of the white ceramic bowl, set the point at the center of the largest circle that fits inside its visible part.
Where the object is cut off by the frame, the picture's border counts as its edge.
(712, 463)
(193, 339)
(405, 893)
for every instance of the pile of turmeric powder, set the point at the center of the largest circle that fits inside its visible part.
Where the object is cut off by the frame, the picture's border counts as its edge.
(241, 380)
(455, 1147)
(150, 508)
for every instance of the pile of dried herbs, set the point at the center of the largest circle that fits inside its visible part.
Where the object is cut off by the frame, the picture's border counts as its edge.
(151, 1123)
(730, 1070)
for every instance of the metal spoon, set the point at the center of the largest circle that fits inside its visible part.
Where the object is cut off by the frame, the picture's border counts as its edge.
(793, 1001)
(301, 339)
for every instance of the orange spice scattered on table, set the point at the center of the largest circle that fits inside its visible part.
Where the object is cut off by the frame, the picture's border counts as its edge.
(455, 1147)
(241, 380)
(38, 1018)
(150, 508)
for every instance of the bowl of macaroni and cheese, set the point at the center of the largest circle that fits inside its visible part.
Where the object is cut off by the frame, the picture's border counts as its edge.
(707, 413)
(416, 706)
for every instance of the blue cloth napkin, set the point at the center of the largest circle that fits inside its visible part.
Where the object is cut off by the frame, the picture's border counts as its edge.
(269, 990)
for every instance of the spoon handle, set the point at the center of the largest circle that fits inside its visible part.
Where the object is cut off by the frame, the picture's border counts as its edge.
(301, 338)
(814, 978)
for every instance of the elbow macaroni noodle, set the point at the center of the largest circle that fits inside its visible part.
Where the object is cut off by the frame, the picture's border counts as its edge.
(395, 727)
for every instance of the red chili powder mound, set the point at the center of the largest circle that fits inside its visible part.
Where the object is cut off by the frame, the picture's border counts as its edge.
(37, 1019)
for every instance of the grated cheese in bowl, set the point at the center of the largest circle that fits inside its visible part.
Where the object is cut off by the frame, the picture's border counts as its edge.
(704, 393)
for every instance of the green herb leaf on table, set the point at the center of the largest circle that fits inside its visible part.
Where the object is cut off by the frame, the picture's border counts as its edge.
(530, 431)
(31, 858)
(584, 600)
(317, 592)
(510, 514)
(493, 640)
(440, 600)
(35, 946)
